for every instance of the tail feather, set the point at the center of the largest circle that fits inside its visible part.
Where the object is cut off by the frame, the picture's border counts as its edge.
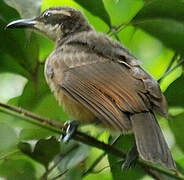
(150, 141)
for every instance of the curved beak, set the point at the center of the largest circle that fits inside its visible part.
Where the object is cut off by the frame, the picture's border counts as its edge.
(22, 23)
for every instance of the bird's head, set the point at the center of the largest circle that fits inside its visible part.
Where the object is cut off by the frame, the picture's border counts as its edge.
(55, 22)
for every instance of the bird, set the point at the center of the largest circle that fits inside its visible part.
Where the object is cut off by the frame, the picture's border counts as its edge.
(96, 78)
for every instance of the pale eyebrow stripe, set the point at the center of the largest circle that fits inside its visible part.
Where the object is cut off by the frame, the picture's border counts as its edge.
(60, 12)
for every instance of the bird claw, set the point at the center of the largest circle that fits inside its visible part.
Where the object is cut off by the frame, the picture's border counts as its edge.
(71, 127)
(131, 159)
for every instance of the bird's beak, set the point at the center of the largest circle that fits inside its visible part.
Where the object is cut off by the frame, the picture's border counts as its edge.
(22, 23)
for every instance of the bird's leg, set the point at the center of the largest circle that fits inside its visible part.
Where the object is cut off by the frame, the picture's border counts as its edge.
(71, 127)
(131, 158)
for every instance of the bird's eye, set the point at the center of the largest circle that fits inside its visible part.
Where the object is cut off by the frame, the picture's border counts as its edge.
(47, 14)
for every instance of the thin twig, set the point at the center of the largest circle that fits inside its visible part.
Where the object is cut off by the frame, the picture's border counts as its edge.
(115, 35)
(171, 62)
(56, 127)
(171, 70)
(95, 163)
(175, 56)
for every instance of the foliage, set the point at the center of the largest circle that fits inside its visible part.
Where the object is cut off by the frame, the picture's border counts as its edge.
(152, 30)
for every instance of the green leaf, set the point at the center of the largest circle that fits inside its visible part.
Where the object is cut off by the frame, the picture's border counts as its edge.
(175, 93)
(45, 150)
(9, 64)
(177, 126)
(8, 138)
(46, 46)
(32, 52)
(18, 53)
(125, 143)
(74, 157)
(12, 84)
(25, 148)
(122, 11)
(96, 7)
(180, 165)
(74, 174)
(34, 91)
(164, 20)
(34, 133)
(13, 41)
(19, 169)
(55, 110)
(162, 8)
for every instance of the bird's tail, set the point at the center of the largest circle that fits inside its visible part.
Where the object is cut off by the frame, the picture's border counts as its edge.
(150, 141)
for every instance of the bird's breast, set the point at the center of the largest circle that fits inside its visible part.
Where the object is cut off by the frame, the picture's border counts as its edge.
(73, 108)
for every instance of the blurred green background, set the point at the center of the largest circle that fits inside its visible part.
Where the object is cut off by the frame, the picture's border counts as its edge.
(153, 30)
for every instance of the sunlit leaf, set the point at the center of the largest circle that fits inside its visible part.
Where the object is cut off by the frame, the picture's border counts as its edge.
(122, 11)
(8, 138)
(12, 84)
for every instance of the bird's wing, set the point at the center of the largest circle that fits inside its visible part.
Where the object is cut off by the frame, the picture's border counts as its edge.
(110, 89)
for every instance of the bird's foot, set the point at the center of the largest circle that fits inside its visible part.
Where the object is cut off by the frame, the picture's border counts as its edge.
(131, 158)
(71, 127)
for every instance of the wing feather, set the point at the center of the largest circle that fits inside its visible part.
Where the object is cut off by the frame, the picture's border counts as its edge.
(92, 98)
(110, 89)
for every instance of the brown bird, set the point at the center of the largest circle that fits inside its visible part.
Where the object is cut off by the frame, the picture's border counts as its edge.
(94, 77)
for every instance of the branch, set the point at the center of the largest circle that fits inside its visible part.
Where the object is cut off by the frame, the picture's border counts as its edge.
(58, 128)
(152, 173)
